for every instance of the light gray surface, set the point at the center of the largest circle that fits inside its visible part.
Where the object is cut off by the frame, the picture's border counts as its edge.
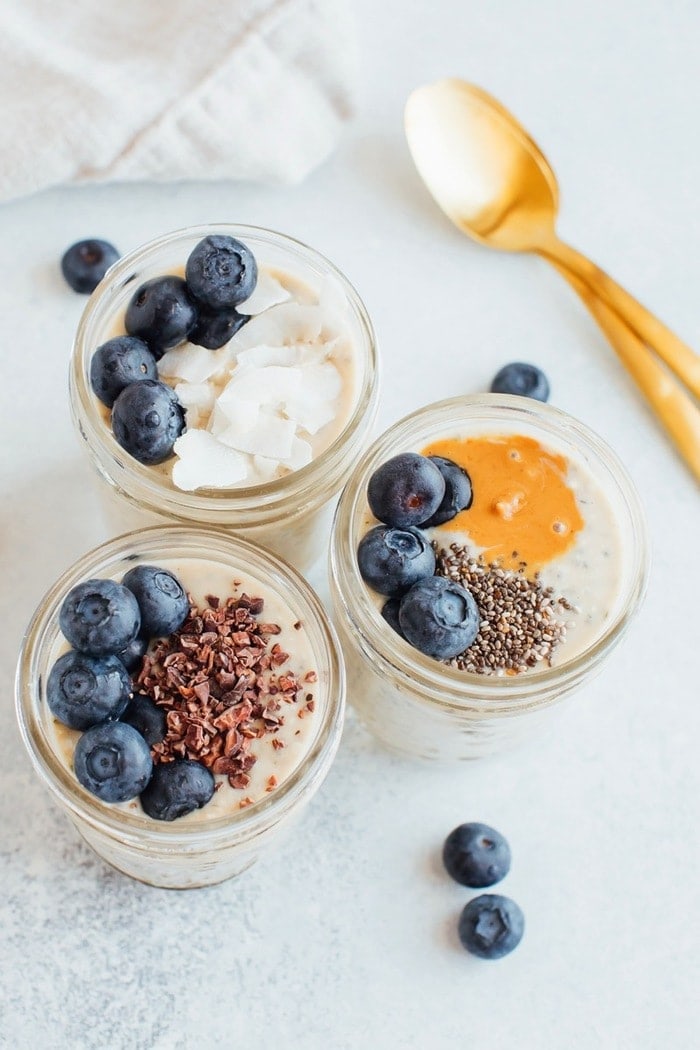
(345, 938)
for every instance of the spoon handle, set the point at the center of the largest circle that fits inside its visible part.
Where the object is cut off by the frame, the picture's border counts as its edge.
(650, 330)
(675, 409)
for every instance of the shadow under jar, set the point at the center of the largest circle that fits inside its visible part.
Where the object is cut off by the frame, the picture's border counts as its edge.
(289, 514)
(423, 707)
(224, 837)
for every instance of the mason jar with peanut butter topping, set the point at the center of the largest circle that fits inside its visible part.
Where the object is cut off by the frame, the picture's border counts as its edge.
(553, 547)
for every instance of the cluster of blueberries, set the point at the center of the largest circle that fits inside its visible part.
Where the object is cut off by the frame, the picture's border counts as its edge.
(89, 688)
(147, 418)
(477, 856)
(409, 493)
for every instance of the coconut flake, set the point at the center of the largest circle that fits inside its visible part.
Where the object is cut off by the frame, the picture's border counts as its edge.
(194, 364)
(282, 325)
(301, 454)
(265, 469)
(271, 437)
(268, 292)
(315, 406)
(205, 463)
(261, 356)
(272, 385)
(333, 301)
(197, 399)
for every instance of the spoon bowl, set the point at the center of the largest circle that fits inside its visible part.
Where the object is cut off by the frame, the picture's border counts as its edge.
(481, 166)
(495, 184)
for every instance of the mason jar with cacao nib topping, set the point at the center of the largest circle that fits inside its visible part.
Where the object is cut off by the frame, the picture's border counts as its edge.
(579, 565)
(302, 302)
(280, 754)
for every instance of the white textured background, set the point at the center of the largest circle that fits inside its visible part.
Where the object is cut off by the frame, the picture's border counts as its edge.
(346, 937)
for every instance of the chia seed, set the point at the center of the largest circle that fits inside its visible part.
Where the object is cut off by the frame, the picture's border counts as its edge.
(522, 622)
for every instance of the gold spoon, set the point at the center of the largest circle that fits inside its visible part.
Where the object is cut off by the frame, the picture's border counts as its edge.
(494, 183)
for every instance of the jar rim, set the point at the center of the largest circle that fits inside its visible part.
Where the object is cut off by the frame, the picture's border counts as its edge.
(150, 487)
(445, 686)
(43, 630)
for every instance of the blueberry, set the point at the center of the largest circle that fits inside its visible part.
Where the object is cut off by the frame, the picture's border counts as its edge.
(147, 420)
(177, 788)
(113, 761)
(85, 263)
(134, 653)
(99, 617)
(221, 272)
(523, 379)
(458, 491)
(439, 617)
(161, 598)
(214, 328)
(391, 560)
(161, 312)
(83, 690)
(146, 717)
(491, 926)
(406, 490)
(390, 612)
(119, 362)
(476, 855)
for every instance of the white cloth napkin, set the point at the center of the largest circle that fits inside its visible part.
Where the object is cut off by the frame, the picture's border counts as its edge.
(170, 89)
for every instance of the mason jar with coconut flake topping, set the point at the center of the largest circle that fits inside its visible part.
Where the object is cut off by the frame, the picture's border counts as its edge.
(289, 514)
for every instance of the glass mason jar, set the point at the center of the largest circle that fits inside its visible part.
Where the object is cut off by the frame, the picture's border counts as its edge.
(192, 853)
(419, 706)
(286, 515)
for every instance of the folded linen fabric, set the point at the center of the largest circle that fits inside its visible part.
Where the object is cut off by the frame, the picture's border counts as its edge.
(170, 89)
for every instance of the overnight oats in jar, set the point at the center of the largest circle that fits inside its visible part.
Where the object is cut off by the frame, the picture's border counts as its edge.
(226, 376)
(181, 694)
(487, 553)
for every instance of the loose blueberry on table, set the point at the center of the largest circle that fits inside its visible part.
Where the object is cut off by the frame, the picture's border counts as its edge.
(522, 379)
(476, 855)
(86, 262)
(491, 926)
